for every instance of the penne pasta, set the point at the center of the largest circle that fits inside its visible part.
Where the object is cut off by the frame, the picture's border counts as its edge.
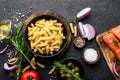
(46, 36)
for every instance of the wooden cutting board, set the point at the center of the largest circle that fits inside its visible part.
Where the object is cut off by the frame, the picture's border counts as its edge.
(107, 53)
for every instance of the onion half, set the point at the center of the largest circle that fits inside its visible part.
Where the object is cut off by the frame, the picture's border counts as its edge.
(83, 13)
(87, 31)
(91, 33)
(80, 27)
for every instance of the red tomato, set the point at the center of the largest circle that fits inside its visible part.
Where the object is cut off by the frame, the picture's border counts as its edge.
(30, 75)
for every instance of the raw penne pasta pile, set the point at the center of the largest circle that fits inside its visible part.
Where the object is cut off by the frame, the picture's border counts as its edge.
(46, 36)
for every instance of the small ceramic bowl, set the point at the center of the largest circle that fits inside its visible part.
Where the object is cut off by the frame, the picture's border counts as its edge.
(79, 42)
(91, 55)
(69, 61)
(47, 15)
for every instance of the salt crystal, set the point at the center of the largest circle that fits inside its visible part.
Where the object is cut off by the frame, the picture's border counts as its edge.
(4, 9)
(18, 10)
(17, 19)
(15, 25)
(9, 54)
(19, 13)
(22, 15)
(31, 7)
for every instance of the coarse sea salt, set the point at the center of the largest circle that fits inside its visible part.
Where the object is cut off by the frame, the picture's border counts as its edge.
(90, 55)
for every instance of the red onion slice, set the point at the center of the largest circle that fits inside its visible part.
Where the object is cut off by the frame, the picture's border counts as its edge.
(10, 68)
(84, 13)
(114, 70)
(4, 49)
(87, 32)
(81, 30)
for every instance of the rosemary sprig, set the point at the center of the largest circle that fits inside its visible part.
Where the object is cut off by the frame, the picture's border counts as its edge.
(22, 52)
(73, 20)
(59, 65)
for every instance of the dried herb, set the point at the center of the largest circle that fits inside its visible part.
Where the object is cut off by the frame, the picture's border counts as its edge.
(73, 20)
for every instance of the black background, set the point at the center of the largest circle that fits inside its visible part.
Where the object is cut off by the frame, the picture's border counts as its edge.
(105, 15)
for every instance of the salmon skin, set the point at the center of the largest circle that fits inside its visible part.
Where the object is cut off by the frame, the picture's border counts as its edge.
(113, 43)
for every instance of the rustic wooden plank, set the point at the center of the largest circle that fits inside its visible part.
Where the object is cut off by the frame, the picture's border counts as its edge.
(107, 53)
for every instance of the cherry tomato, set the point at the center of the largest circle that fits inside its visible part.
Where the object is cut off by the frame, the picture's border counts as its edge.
(30, 75)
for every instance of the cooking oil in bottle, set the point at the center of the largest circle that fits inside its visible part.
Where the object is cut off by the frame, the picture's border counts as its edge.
(5, 29)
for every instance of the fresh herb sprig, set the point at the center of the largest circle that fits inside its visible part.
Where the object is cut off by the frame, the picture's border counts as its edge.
(59, 65)
(115, 43)
(73, 20)
(23, 53)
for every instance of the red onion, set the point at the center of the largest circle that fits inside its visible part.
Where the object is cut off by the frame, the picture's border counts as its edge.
(86, 31)
(114, 70)
(91, 33)
(84, 13)
(80, 27)
(10, 68)
(4, 49)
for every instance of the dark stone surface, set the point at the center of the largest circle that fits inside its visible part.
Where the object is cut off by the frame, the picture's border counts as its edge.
(105, 15)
